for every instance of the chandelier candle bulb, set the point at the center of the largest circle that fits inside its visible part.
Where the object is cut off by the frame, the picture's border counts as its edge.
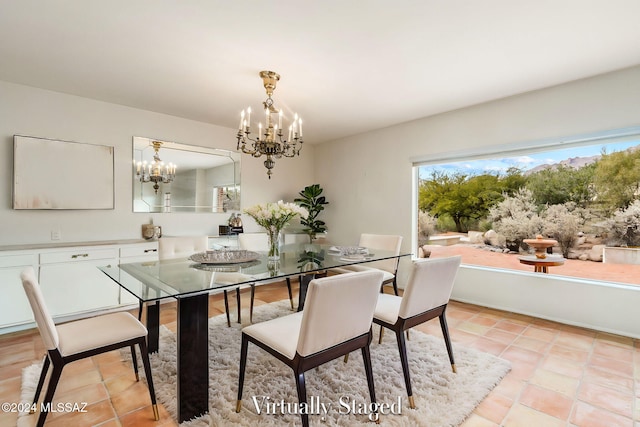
(241, 120)
(280, 119)
(248, 118)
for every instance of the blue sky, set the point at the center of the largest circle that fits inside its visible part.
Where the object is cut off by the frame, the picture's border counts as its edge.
(524, 162)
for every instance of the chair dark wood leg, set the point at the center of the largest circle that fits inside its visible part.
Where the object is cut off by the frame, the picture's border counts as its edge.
(140, 304)
(144, 353)
(226, 307)
(238, 304)
(402, 348)
(43, 374)
(253, 296)
(302, 396)
(447, 339)
(290, 293)
(366, 356)
(395, 286)
(243, 363)
(134, 360)
(51, 389)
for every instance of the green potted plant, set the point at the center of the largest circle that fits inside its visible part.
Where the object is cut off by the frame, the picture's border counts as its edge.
(312, 200)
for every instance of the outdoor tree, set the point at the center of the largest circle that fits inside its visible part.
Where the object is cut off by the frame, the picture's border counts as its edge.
(516, 218)
(563, 222)
(623, 226)
(562, 184)
(617, 179)
(459, 196)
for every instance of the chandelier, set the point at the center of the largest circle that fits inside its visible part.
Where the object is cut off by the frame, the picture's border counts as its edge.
(269, 140)
(156, 171)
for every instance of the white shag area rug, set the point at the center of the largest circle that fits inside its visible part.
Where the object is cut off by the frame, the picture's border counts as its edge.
(442, 398)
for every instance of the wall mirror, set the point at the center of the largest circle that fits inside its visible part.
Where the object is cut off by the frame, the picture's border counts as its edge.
(192, 178)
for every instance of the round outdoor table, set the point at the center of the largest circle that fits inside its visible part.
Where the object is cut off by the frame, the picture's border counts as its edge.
(541, 265)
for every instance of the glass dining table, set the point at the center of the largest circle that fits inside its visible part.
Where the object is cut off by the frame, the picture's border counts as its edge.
(190, 284)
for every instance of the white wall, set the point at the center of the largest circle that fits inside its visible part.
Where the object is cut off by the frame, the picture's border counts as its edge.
(367, 178)
(592, 304)
(35, 112)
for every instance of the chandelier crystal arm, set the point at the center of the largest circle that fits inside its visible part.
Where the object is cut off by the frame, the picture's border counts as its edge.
(270, 141)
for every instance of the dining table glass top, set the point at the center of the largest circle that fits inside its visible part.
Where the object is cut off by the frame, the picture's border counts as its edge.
(180, 277)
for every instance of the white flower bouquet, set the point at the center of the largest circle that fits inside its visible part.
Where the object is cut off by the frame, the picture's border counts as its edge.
(274, 217)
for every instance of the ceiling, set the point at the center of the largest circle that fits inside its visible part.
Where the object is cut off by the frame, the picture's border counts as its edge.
(346, 66)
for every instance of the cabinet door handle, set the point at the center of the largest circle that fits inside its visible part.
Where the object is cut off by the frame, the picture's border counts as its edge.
(79, 255)
(150, 250)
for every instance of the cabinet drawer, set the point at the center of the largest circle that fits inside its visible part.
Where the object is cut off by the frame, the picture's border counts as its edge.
(20, 260)
(78, 255)
(139, 250)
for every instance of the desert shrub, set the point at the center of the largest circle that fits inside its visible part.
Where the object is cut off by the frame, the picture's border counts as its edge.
(563, 222)
(516, 219)
(426, 226)
(445, 223)
(623, 227)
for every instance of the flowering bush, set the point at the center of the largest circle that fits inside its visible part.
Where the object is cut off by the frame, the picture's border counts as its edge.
(426, 226)
(275, 216)
(563, 222)
(516, 219)
(624, 226)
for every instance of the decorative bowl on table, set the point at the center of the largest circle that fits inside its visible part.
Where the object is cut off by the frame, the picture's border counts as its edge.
(348, 250)
(232, 256)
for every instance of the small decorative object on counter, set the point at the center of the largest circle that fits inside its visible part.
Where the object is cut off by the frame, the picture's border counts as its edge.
(236, 226)
(151, 232)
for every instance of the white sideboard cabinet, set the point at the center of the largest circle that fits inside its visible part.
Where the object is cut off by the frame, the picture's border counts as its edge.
(14, 306)
(71, 282)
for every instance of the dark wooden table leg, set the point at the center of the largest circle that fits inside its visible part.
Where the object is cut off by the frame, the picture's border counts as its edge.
(193, 356)
(304, 280)
(302, 293)
(153, 325)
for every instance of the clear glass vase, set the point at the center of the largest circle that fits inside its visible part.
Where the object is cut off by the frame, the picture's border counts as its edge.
(274, 241)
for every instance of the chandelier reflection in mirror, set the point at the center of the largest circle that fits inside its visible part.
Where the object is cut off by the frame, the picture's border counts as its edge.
(270, 140)
(156, 171)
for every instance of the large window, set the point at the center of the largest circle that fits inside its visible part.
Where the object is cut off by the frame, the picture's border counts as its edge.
(583, 192)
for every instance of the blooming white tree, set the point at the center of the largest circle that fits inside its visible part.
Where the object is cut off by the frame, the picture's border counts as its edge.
(426, 226)
(516, 219)
(563, 222)
(624, 226)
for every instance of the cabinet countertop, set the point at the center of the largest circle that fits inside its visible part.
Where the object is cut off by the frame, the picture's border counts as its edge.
(54, 245)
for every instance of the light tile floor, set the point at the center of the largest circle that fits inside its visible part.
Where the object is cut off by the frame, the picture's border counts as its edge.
(561, 375)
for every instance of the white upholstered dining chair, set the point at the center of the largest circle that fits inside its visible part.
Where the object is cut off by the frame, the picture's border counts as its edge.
(425, 297)
(389, 267)
(335, 321)
(258, 242)
(185, 246)
(68, 342)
